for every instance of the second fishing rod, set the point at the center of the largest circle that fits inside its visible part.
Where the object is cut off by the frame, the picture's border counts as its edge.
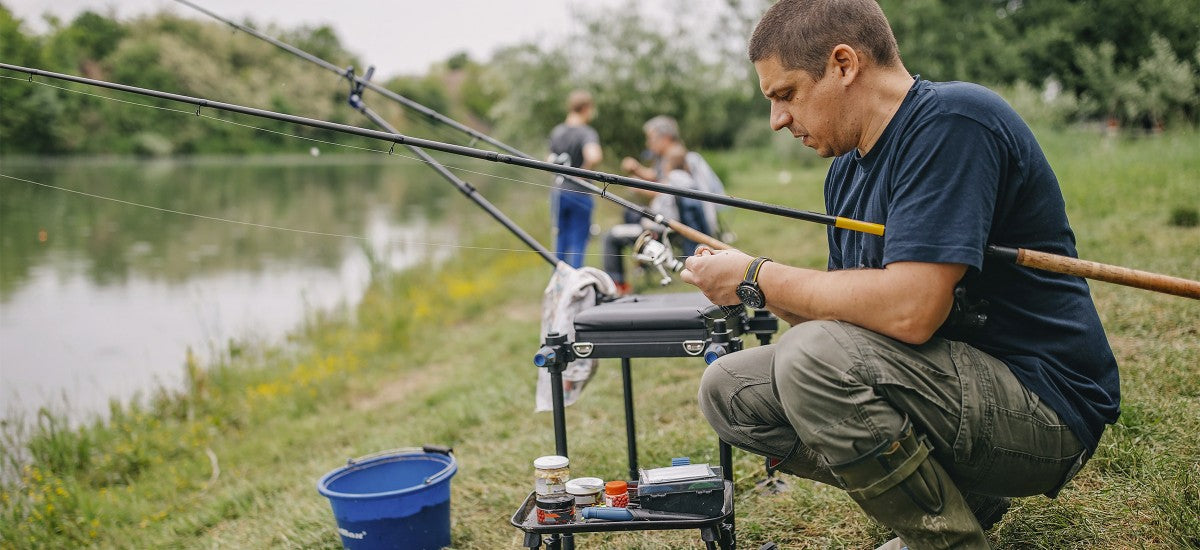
(356, 101)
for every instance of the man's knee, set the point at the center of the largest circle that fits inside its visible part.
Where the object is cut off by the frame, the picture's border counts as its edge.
(735, 397)
(813, 357)
(817, 382)
(714, 394)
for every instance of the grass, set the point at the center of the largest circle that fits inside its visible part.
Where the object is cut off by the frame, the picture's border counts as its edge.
(444, 356)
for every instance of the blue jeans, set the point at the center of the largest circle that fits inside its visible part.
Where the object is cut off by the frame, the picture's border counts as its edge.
(572, 214)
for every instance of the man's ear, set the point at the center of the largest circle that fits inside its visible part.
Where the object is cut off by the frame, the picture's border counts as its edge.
(844, 64)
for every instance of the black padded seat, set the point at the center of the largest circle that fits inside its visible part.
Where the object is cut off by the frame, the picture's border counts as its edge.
(649, 312)
(655, 325)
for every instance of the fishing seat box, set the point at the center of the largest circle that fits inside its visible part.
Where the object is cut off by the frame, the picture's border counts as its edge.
(655, 325)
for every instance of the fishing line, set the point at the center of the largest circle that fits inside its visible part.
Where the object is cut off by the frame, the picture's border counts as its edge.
(268, 226)
(182, 213)
(492, 156)
(441, 131)
(385, 152)
(201, 115)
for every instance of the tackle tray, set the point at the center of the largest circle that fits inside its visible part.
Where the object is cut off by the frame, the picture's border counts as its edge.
(526, 520)
(655, 325)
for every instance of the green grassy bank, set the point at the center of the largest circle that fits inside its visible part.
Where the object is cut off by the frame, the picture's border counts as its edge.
(444, 356)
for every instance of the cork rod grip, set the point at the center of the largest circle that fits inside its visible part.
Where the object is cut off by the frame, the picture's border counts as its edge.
(697, 236)
(1109, 273)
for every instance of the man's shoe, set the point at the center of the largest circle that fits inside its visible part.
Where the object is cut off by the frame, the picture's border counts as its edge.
(894, 544)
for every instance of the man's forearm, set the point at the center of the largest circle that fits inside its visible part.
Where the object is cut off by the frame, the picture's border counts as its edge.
(906, 301)
(645, 173)
(787, 316)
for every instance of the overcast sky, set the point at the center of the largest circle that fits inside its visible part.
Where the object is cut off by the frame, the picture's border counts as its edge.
(397, 36)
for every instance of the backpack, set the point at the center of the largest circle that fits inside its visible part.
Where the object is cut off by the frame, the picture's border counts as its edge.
(705, 177)
(707, 180)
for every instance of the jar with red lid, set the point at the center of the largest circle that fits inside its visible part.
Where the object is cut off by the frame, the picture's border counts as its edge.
(616, 494)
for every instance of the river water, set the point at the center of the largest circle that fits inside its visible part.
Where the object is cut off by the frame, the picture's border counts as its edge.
(101, 299)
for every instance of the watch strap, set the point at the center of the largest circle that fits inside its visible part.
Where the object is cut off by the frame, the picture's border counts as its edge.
(753, 269)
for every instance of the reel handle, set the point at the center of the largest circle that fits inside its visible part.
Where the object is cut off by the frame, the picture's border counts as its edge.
(657, 253)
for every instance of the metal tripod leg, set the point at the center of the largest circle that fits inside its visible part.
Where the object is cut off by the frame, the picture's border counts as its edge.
(630, 430)
(565, 541)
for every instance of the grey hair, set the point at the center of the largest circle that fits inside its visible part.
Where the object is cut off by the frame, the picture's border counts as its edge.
(662, 125)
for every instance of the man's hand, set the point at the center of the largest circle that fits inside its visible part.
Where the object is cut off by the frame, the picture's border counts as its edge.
(630, 164)
(716, 274)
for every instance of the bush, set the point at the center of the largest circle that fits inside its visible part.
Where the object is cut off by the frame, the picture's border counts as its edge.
(1159, 88)
(1051, 106)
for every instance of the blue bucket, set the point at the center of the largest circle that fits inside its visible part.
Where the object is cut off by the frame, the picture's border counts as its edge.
(395, 499)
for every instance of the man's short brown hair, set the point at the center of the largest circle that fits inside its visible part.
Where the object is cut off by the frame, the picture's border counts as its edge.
(802, 33)
(579, 100)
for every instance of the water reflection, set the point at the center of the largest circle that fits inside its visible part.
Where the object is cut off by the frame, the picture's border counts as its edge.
(101, 299)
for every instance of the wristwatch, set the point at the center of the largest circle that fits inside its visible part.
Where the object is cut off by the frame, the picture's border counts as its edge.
(748, 291)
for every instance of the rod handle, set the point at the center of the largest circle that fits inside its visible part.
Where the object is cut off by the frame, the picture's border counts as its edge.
(696, 236)
(860, 226)
(1109, 273)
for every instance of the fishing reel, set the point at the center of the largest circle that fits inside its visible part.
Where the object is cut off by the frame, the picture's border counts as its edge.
(966, 314)
(649, 250)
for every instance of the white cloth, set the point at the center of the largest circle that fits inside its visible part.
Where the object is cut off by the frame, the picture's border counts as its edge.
(569, 292)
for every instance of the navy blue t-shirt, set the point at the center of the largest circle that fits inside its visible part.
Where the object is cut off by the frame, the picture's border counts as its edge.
(957, 169)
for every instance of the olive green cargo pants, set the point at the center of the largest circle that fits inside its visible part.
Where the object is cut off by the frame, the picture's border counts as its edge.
(831, 392)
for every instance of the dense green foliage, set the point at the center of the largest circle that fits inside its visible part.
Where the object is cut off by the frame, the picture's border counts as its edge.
(169, 53)
(1135, 64)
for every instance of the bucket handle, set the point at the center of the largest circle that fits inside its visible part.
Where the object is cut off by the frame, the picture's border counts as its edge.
(438, 449)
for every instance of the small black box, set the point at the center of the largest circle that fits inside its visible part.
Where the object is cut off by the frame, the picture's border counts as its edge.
(698, 495)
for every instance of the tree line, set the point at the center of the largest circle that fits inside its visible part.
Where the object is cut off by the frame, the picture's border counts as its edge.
(1132, 64)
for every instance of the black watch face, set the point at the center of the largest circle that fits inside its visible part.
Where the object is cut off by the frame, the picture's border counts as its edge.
(751, 296)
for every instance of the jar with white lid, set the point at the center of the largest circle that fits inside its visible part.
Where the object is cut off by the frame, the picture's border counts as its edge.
(550, 475)
(587, 491)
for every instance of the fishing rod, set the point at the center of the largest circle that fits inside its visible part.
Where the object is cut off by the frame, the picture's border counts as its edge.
(348, 73)
(461, 150)
(1029, 258)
